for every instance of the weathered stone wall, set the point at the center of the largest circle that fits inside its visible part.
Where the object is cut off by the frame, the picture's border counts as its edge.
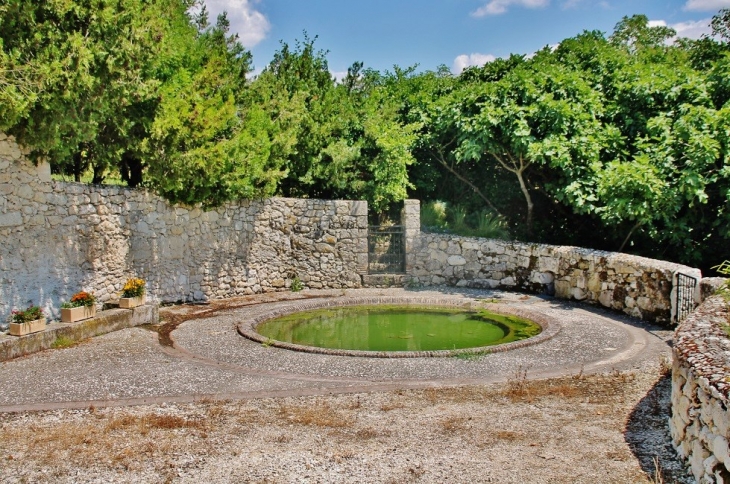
(59, 238)
(641, 287)
(700, 424)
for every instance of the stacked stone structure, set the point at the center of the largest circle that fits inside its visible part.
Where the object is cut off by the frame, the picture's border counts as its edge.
(641, 287)
(61, 237)
(700, 423)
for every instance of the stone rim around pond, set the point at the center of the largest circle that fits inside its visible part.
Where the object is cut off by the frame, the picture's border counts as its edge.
(550, 326)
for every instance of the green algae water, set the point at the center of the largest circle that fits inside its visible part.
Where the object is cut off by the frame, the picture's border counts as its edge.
(396, 328)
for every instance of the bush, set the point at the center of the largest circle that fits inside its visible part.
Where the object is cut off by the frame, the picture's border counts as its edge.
(437, 216)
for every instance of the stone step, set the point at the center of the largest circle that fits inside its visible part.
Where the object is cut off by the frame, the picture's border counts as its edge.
(384, 280)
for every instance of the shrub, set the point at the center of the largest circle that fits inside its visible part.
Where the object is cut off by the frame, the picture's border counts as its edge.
(438, 216)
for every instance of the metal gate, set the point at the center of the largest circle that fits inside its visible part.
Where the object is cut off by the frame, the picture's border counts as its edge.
(386, 249)
(685, 295)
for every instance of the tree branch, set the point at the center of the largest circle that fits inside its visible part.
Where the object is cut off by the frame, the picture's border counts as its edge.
(439, 156)
(626, 240)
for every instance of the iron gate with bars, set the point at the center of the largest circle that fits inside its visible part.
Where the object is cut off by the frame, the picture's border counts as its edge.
(685, 295)
(386, 249)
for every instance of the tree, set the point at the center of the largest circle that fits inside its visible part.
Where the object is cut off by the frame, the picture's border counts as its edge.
(635, 34)
(206, 145)
(92, 60)
(538, 114)
(343, 141)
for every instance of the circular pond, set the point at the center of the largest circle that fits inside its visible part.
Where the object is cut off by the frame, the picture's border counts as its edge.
(397, 328)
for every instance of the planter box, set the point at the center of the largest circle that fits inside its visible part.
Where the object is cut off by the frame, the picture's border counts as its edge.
(70, 315)
(20, 329)
(131, 302)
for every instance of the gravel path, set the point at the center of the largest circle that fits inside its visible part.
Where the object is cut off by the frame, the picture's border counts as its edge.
(341, 419)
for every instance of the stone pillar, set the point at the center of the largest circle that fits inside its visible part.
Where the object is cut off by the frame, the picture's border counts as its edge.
(360, 211)
(411, 220)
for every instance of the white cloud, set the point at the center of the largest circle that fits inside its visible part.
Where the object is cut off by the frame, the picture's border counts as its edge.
(690, 29)
(497, 7)
(693, 30)
(463, 61)
(571, 3)
(706, 5)
(338, 75)
(250, 24)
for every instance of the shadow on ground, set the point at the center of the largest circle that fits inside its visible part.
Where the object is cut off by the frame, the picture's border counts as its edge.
(647, 433)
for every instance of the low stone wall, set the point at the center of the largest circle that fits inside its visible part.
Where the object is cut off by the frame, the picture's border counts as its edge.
(59, 238)
(104, 322)
(640, 287)
(700, 424)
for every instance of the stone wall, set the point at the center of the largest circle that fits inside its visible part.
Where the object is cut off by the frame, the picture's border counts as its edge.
(640, 287)
(700, 424)
(60, 237)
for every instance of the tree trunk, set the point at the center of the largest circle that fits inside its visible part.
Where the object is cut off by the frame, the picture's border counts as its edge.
(130, 169)
(77, 168)
(528, 200)
(628, 237)
(467, 182)
(98, 175)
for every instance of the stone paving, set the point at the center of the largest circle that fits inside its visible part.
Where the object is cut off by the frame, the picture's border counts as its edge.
(210, 359)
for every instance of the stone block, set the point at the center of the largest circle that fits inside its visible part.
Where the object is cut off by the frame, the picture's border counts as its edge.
(456, 260)
(562, 289)
(542, 277)
(720, 449)
(12, 219)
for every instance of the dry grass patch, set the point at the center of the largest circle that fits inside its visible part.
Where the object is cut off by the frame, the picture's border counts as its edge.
(454, 424)
(588, 389)
(392, 405)
(320, 414)
(367, 433)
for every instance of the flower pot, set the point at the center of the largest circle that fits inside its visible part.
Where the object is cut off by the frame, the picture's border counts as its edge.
(70, 315)
(20, 329)
(131, 302)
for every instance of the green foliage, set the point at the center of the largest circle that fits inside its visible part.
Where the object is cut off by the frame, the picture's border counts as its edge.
(433, 214)
(296, 284)
(63, 342)
(441, 217)
(91, 63)
(635, 33)
(618, 142)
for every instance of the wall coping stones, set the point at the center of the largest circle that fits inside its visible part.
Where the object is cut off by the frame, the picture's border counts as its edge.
(701, 342)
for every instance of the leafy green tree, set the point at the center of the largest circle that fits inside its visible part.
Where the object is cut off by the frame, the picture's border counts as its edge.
(92, 60)
(342, 141)
(635, 33)
(538, 114)
(205, 144)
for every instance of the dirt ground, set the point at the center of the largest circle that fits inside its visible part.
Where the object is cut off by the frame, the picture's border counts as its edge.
(579, 429)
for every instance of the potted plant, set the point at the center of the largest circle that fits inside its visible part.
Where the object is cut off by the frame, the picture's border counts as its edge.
(81, 306)
(27, 321)
(132, 293)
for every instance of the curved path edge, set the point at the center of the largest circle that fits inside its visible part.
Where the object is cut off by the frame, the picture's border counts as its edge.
(639, 340)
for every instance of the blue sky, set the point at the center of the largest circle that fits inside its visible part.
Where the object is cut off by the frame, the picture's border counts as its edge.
(455, 33)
